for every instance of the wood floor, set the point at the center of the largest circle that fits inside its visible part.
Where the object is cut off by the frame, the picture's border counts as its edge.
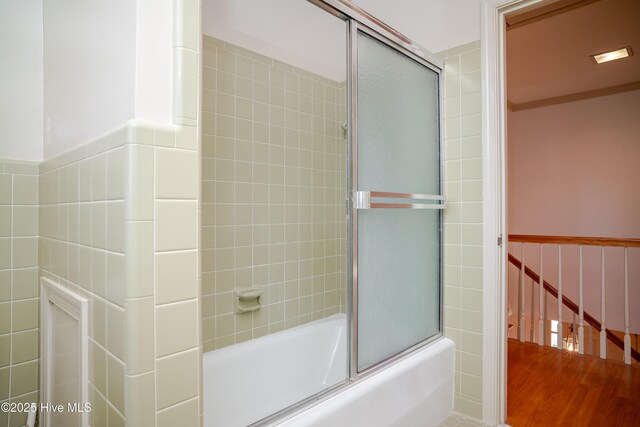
(548, 387)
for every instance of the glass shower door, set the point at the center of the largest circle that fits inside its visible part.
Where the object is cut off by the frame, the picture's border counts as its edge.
(398, 201)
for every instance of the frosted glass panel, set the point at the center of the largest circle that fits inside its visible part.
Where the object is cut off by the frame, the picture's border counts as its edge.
(398, 249)
(398, 145)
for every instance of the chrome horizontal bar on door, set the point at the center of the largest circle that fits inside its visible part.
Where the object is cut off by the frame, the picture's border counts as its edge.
(362, 200)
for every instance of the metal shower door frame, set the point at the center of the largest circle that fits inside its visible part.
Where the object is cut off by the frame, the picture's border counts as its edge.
(358, 20)
(404, 46)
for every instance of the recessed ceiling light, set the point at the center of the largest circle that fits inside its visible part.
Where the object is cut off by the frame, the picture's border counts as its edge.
(612, 55)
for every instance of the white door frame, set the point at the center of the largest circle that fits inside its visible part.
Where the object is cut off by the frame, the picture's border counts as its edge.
(494, 102)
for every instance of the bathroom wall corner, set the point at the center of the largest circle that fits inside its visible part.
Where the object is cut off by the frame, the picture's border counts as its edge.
(463, 222)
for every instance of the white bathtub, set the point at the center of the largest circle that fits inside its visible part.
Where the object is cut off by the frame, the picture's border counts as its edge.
(246, 382)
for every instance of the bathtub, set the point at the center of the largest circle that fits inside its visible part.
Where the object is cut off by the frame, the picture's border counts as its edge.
(247, 382)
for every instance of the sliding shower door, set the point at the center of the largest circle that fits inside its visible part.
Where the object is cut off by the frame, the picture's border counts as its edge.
(397, 200)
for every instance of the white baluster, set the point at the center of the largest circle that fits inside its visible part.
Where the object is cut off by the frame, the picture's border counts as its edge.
(627, 337)
(545, 332)
(521, 320)
(581, 311)
(531, 322)
(560, 331)
(603, 327)
(541, 303)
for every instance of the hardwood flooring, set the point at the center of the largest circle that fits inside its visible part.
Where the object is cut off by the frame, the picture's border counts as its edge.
(548, 387)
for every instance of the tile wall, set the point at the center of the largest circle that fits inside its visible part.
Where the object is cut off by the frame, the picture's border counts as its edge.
(118, 225)
(19, 308)
(82, 248)
(463, 222)
(115, 220)
(273, 191)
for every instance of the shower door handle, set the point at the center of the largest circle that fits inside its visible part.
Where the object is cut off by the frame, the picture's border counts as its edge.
(363, 200)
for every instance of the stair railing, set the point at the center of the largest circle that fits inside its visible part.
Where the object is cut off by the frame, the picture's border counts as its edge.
(578, 309)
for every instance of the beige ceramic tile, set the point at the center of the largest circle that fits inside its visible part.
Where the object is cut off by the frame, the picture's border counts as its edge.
(176, 276)
(140, 406)
(139, 191)
(176, 225)
(5, 350)
(98, 317)
(5, 253)
(24, 346)
(116, 173)
(115, 278)
(174, 327)
(25, 221)
(24, 315)
(99, 177)
(6, 185)
(176, 174)
(98, 272)
(468, 407)
(5, 285)
(24, 378)
(185, 413)
(99, 225)
(116, 331)
(114, 417)
(187, 138)
(115, 382)
(24, 252)
(140, 354)
(115, 226)
(5, 221)
(4, 383)
(176, 378)
(139, 258)
(98, 415)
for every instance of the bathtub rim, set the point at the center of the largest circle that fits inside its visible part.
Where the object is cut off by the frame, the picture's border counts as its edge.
(296, 409)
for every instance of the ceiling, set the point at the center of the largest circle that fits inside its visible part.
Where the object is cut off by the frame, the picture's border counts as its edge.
(548, 51)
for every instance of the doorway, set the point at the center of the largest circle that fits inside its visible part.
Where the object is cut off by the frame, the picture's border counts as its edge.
(502, 19)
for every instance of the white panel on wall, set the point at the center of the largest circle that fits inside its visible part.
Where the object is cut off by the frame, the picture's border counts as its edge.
(89, 70)
(65, 354)
(21, 79)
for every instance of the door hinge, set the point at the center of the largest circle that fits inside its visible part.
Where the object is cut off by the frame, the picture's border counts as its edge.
(500, 240)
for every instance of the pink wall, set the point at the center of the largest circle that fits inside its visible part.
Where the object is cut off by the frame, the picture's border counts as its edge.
(574, 169)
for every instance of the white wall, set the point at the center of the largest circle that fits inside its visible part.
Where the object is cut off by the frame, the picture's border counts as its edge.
(436, 25)
(573, 168)
(573, 171)
(21, 79)
(89, 70)
(292, 31)
(105, 63)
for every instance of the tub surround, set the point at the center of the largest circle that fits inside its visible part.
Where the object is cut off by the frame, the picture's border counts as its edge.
(463, 222)
(19, 356)
(273, 191)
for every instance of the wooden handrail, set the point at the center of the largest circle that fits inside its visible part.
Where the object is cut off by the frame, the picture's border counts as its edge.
(571, 240)
(573, 306)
